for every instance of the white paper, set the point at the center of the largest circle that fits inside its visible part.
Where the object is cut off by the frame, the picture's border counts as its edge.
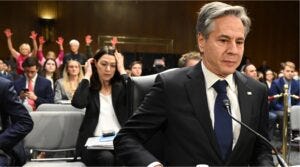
(95, 143)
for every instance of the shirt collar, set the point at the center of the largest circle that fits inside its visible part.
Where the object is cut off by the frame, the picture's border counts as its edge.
(33, 79)
(211, 78)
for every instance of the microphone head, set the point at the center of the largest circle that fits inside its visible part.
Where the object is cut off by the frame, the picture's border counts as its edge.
(226, 102)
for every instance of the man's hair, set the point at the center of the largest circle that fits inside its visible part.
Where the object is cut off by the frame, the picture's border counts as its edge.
(30, 61)
(188, 56)
(289, 64)
(214, 10)
(134, 63)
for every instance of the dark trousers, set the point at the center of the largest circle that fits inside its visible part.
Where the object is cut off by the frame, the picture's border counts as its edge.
(99, 158)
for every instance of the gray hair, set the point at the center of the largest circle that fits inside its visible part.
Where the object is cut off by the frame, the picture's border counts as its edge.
(74, 42)
(214, 10)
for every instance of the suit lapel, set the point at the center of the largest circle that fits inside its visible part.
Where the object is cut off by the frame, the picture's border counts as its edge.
(245, 104)
(196, 90)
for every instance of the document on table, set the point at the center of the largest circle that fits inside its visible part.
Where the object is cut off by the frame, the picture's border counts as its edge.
(100, 143)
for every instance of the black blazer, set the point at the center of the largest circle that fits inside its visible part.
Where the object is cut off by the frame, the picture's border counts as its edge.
(177, 104)
(86, 97)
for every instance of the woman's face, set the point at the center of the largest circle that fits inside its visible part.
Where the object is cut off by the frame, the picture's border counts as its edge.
(50, 66)
(106, 67)
(73, 68)
(269, 75)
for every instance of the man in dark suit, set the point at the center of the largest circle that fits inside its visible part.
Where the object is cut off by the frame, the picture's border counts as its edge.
(3, 73)
(32, 88)
(15, 124)
(277, 88)
(187, 104)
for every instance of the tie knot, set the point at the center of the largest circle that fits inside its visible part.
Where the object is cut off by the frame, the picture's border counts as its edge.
(220, 86)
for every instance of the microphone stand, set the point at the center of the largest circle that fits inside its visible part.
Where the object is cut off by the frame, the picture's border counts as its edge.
(279, 159)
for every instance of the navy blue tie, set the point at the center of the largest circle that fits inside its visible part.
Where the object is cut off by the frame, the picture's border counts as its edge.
(223, 122)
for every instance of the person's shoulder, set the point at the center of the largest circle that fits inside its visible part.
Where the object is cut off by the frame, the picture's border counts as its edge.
(43, 80)
(4, 82)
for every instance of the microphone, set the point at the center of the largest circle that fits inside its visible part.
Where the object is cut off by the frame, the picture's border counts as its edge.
(282, 163)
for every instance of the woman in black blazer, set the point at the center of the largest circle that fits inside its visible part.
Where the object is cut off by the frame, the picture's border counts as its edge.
(103, 93)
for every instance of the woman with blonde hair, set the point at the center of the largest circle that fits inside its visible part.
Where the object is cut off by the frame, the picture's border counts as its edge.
(66, 86)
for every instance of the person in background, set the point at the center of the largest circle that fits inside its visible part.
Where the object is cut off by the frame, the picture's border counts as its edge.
(277, 88)
(75, 55)
(32, 88)
(103, 92)
(250, 71)
(189, 59)
(3, 72)
(51, 54)
(269, 77)
(24, 49)
(50, 71)
(136, 68)
(159, 65)
(187, 104)
(66, 86)
(15, 124)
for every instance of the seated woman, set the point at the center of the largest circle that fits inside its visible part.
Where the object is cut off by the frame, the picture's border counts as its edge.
(66, 86)
(103, 93)
(50, 71)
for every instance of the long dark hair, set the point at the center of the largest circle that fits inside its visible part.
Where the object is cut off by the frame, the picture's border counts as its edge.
(95, 82)
(56, 75)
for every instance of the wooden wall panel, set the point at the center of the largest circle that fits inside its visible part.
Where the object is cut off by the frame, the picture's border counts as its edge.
(274, 36)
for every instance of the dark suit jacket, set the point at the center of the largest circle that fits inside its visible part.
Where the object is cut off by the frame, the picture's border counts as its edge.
(177, 104)
(7, 76)
(42, 89)
(86, 97)
(277, 88)
(16, 121)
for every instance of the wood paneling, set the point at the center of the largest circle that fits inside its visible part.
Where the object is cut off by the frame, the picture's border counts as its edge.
(274, 36)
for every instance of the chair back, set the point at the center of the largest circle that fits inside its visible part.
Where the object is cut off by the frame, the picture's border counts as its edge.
(57, 107)
(295, 117)
(54, 130)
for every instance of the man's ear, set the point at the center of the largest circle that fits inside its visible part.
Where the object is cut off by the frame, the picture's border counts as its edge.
(201, 42)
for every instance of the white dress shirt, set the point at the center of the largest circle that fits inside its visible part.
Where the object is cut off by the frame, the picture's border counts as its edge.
(107, 120)
(232, 93)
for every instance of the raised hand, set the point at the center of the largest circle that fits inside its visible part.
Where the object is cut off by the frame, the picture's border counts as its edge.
(33, 35)
(41, 40)
(8, 32)
(88, 39)
(120, 62)
(60, 41)
(88, 68)
(114, 41)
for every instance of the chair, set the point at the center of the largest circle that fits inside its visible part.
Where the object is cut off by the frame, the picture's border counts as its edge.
(57, 107)
(54, 131)
(294, 126)
(139, 88)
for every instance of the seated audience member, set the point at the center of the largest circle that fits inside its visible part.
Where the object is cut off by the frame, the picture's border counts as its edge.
(75, 55)
(189, 59)
(159, 65)
(250, 71)
(66, 86)
(50, 71)
(24, 49)
(15, 124)
(136, 68)
(3, 72)
(51, 54)
(103, 93)
(269, 77)
(10, 67)
(33, 88)
(277, 87)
